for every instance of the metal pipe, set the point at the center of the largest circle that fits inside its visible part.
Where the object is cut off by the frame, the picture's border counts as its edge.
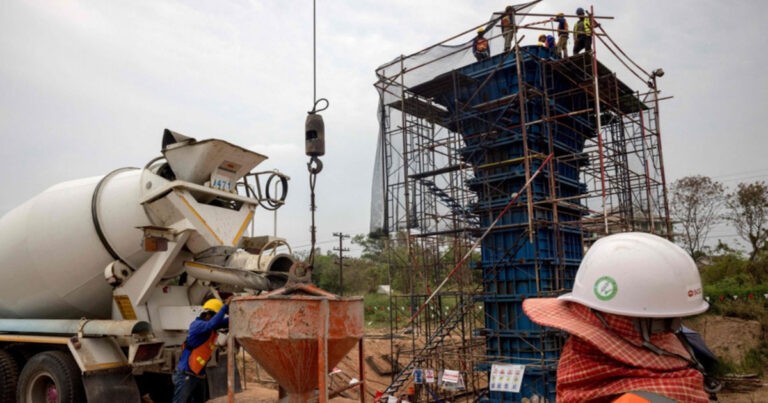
(75, 326)
(361, 368)
(230, 276)
(322, 351)
(597, 122)
(15, 338)
(670, 234)
(646, 163)
(230, 369)
(521, 93)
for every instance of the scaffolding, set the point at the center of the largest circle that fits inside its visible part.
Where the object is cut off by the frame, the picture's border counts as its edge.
(519, 162)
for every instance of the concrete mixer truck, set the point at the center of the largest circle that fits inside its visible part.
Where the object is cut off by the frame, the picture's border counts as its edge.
(101, 277)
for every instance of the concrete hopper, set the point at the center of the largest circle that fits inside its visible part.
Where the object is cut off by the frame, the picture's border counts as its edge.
(297, 333)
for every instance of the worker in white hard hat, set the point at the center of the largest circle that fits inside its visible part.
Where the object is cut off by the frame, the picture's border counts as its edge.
(623, 317)
(198, 349)
(480, 46)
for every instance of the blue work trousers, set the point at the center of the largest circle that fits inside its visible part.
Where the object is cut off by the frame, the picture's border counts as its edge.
(184, 386)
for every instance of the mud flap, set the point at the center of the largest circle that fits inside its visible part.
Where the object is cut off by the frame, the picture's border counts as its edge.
(217, 376)
(114, 386)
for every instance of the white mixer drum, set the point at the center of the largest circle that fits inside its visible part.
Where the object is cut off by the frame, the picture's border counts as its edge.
(54, 247)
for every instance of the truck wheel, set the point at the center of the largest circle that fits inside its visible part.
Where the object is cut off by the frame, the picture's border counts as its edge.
(50, 377)
(9, 377)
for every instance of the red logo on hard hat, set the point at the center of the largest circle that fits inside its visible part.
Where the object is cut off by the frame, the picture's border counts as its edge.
(694, 292)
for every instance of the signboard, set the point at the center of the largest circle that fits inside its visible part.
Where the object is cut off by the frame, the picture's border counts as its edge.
(451, 376)
(418, 376)
(429, 375)
(506, 377)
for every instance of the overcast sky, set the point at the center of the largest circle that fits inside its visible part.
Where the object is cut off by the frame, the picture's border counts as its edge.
(87, 86)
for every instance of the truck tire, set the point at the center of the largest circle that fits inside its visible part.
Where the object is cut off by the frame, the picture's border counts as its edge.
(50, 377)
(9, 377)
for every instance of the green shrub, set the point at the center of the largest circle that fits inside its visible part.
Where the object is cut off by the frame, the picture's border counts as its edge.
(755, 360)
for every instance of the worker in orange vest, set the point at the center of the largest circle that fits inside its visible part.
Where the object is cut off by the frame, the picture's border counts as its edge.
(562, 35)
(198, 349)
(480, 46)
(508, 27)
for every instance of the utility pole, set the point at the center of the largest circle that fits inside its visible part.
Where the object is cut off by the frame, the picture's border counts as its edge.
(341, 250)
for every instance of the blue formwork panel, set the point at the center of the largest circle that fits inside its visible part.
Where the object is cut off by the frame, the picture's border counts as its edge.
(475, 131)
(504, 246)
(518, 280)
(504, 280)
(514, 244)
(536, 348)
(488, 211)
(518, 214)
(506, 316)
(503, 138)
(514, 264)
(499, 75)
(542, 246)
(496, 193)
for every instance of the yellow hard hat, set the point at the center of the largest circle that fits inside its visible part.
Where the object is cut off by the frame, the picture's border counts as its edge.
(560, 15)
(481, 30)
(213, 305)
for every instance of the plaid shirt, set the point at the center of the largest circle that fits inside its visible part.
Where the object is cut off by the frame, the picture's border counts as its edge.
(588, 372)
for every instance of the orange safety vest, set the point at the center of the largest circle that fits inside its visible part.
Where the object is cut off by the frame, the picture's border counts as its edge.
(481, 45)
(506, 23)
(200, 355)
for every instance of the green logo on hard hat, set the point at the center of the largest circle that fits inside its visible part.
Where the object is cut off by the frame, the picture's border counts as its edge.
(605, 288)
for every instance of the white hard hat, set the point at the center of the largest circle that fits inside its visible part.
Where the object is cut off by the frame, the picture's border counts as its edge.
(640, 275)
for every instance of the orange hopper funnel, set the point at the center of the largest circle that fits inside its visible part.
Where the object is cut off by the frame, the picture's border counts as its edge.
(285, 332)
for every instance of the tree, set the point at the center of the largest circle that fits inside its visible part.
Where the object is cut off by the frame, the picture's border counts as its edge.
(749, 214)
(697, 202)
(373, 244)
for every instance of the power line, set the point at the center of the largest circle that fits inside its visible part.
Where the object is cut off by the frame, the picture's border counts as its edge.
(743, 178)
(341, 250)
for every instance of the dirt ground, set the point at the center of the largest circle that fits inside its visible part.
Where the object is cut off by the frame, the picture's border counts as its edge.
(261, 388)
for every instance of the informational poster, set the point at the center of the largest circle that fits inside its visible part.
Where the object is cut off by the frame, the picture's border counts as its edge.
(451, 376)
(452, 380)
(429, 375)
(506, 377)
(418, 376)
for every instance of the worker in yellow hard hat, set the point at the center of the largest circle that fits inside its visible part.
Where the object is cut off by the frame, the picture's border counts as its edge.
(542, 41)
(561, 48)
(480, 46)
(198, 349)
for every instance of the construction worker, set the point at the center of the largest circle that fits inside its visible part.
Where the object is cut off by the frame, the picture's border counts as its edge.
(562, 35)
(198, 349)
(542, 40)
(582, 33)
(508, 27)
(623, 317)
(480, 46)
(550, 41)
